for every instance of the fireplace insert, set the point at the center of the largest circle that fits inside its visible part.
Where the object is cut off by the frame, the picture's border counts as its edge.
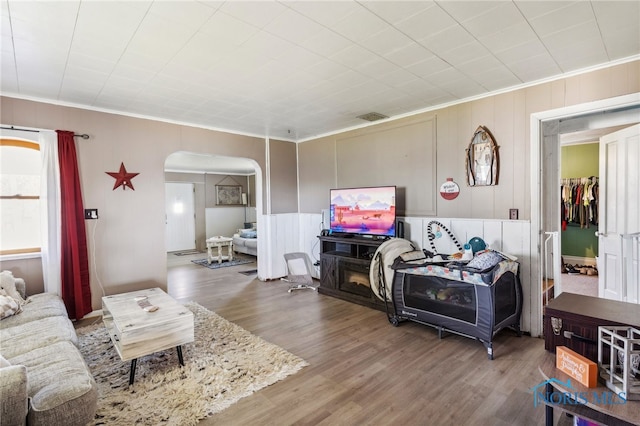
(454, 299)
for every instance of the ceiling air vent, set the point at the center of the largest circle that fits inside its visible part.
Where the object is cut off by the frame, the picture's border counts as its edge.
(372, 116)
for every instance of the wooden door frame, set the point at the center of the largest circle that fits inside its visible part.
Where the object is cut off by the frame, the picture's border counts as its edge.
(536, 145)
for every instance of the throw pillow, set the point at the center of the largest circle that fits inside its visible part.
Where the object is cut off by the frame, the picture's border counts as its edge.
(8, 307)
(249, 233)
(8, 284)
(486, 260)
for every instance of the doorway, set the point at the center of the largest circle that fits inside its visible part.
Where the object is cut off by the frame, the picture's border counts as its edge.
(205, 172)
(546, 128)
(179, 217)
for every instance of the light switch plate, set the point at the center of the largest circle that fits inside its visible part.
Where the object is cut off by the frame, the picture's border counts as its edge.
(513, 214)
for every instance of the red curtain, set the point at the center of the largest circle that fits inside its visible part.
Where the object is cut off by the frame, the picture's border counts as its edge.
(76, 291)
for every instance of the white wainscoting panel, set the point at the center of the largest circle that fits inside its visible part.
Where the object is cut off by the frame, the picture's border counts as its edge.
(299, 232)
(283, 238)
(509, 236)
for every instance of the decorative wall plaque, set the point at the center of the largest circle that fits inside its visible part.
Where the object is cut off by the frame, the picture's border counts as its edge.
(482, 159)
(229, 195)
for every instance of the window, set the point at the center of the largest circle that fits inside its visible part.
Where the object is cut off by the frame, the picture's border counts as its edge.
(20, 166)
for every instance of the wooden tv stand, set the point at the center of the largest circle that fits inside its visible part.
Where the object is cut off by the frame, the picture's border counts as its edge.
(344, 268)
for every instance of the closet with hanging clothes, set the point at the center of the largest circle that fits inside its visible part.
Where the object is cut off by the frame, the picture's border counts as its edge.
(579, 201)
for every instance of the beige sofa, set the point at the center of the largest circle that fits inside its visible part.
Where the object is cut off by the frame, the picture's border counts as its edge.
(246, 241)
(43, 378)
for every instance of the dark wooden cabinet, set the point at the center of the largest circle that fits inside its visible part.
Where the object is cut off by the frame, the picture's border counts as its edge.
(572, 320)
(344, 269)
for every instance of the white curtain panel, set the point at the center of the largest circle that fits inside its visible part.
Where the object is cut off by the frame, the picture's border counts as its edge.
(50, 212)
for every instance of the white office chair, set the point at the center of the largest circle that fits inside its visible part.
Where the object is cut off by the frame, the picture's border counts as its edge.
(299, 269)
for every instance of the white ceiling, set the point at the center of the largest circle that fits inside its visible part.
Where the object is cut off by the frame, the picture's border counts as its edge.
(297, 69)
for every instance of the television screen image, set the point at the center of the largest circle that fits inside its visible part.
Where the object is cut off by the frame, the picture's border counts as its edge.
(366, 211)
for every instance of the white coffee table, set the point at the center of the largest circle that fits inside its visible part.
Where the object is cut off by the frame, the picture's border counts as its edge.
(219, 242)
(136, 332)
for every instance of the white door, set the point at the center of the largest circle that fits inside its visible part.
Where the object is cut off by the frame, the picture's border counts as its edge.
(619, 215)
(180, 216)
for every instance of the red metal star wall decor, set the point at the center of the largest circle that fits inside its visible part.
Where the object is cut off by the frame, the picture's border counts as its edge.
(123, 178)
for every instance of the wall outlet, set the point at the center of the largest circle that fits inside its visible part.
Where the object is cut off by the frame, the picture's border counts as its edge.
(513, 214)
(90, 213)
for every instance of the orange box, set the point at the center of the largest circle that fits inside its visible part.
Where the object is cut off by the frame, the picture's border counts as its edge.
(575, 365)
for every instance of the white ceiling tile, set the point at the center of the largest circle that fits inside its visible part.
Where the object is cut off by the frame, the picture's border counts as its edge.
(492, 19)
(386, 41)
(368, 23)
(409, 55)
(397, 78)
(560, 19)
(580, 54)
(256, 13)
(225, 27)
(95, 63)
(533, 9)
(496, 79)
(534, 48)
(428, 66)
(30, 55)
(574, 35)
(463, 53)
(326, 69)
(267, 44)
(186, 13)
(300, 57)
(79, 73)
(325, 42)
(396, 11)
(446, 40)
(8, 76)
(354, 56)
(426, 23)
(96, 18)
(156, 36)
(623, 43)
(322, 12)
(534, 68)
(509, 37)
(615, 14)
(5, 23)
(377, 68)
(291, 25)
(468, 10)
(480, 65)
(36, 32)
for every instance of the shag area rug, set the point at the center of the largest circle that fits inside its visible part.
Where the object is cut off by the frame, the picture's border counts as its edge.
(224, 364)
(216, 265)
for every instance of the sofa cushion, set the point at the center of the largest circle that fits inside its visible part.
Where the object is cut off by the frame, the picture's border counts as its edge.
(35, 308)
(36, 334)
(8, 306)
(13, 394)
(61, 389)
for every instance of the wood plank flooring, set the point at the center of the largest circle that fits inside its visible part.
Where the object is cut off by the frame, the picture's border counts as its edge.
(363, 371)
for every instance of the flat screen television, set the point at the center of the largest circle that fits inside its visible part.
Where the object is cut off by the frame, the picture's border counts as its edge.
(363, 211)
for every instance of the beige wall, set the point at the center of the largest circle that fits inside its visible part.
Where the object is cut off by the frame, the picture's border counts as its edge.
(129, 236)
(506, 115)
(283, 177)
